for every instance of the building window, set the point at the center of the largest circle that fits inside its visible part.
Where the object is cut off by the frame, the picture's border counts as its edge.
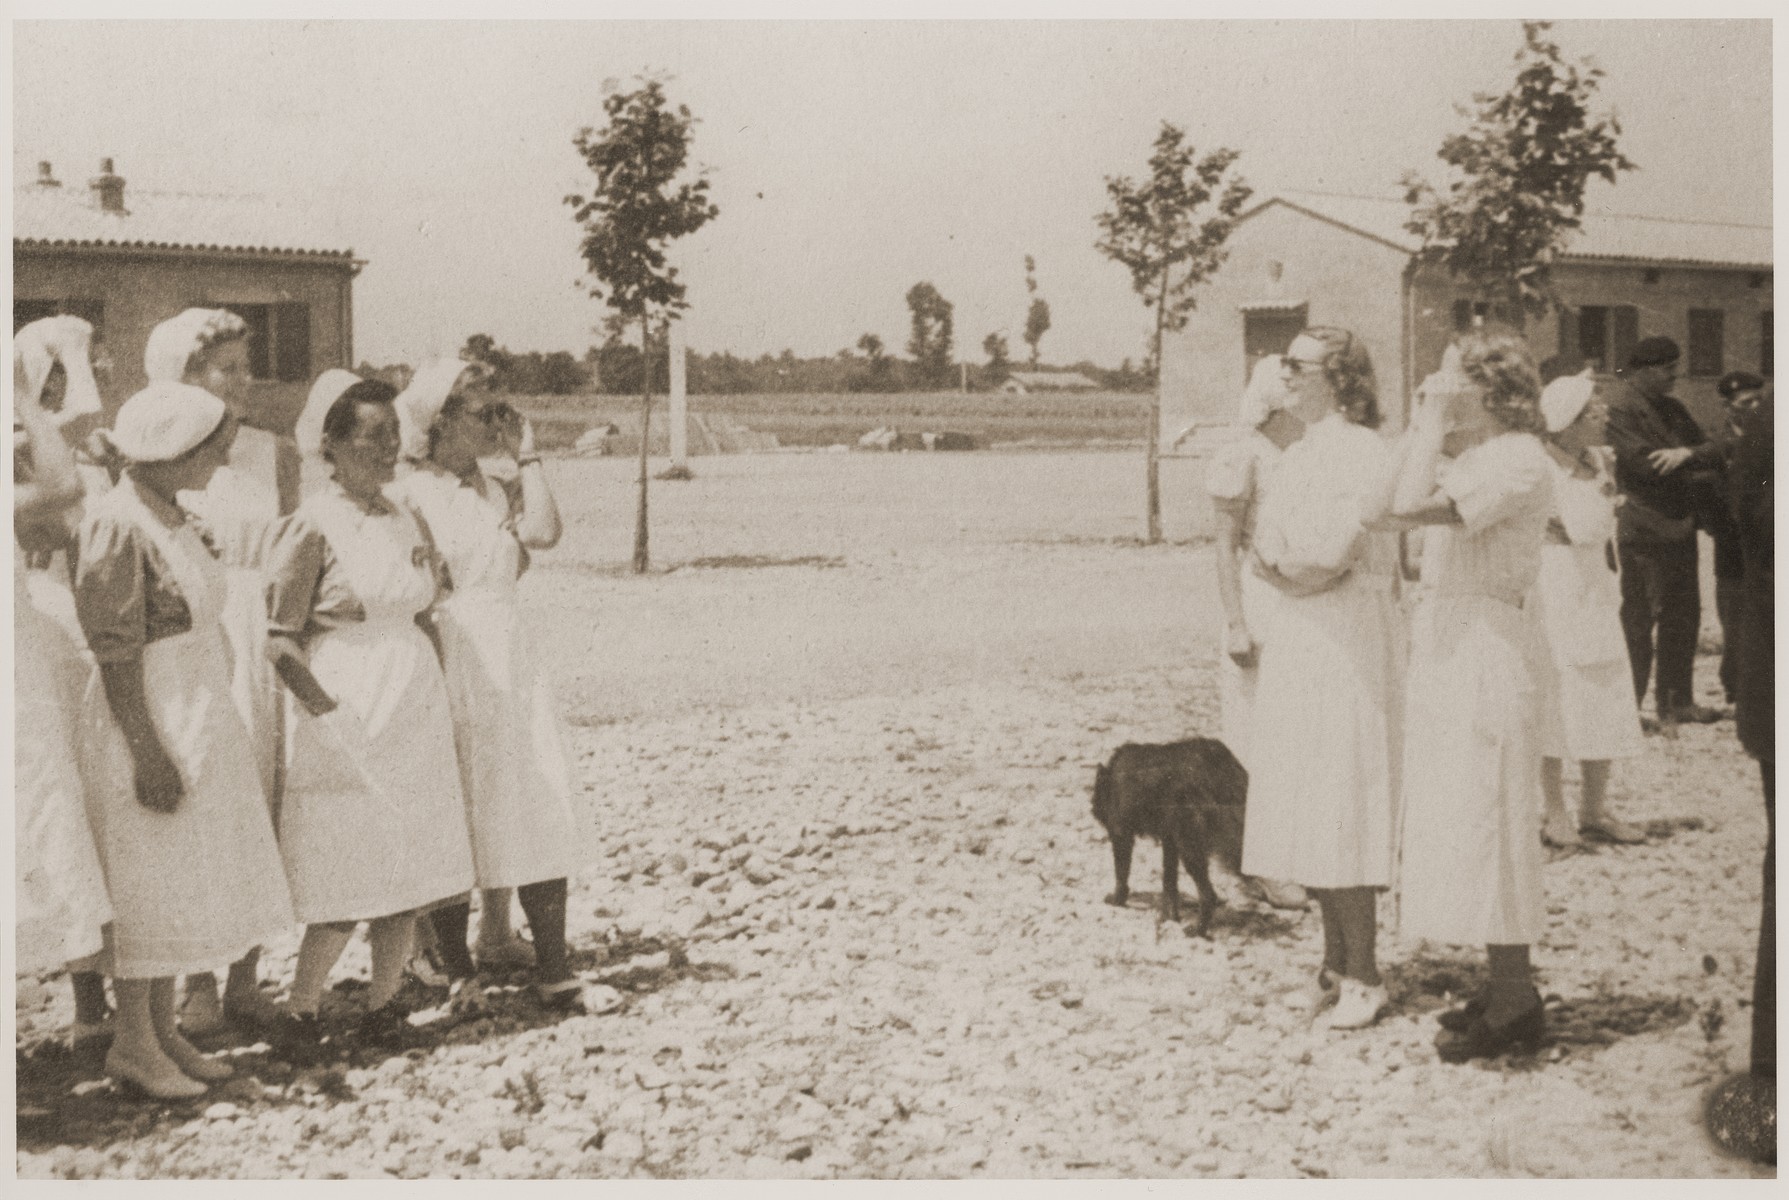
(1269, 331)
(1767, 359)
(1705, 341)
(1606, 335)
(279, 340)
(91, 311)
(1469, 314)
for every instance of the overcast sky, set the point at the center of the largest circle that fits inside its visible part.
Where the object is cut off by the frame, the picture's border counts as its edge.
(849, 160)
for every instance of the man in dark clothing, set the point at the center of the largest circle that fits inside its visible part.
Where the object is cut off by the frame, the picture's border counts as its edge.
(1668, 473)
(1742, 1110)
(1739, 391)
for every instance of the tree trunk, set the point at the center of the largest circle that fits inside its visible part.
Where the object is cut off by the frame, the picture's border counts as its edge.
(641, 559)
(1153, 471)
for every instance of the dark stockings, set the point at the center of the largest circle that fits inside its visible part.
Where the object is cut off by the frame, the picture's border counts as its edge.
(542, 903)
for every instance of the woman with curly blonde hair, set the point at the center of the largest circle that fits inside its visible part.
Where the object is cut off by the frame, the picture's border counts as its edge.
(1470, 848)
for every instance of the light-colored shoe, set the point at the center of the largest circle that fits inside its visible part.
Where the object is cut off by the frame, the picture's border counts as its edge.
(1608, 829)
(1316, 995)
(1277, 893)
(423, 969)
(1358, 1006)
(162, 1081)
(1559, 832)
(199, 1066)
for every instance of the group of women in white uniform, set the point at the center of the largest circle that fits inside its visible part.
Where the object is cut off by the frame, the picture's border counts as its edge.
(281, 707)
(1407, 739)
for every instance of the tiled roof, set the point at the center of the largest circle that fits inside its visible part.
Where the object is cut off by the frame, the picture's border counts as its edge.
(1604, 235)
(71, 216)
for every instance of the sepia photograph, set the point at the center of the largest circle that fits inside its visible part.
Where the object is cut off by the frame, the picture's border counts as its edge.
(1088, 595)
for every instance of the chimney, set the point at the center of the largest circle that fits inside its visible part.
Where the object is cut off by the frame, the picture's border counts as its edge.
(46, 178)
(108, 188)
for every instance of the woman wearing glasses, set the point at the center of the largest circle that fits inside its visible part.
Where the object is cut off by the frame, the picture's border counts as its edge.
(1322, 781)
(1470, 853)
(513, 760)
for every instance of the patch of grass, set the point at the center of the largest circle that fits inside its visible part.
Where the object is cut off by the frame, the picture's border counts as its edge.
(754, 561)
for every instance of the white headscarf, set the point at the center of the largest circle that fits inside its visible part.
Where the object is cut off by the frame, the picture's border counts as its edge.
(1564, 399)
(1265, 393)
(165, 420)
(172, 344)
(419, 404)
(68, 340)
(330, 385)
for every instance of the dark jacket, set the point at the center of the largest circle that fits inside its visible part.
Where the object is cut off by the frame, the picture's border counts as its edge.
(1753, 492)
(1660, 507)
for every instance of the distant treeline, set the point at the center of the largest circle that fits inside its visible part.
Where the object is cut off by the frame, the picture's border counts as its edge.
(614, 369)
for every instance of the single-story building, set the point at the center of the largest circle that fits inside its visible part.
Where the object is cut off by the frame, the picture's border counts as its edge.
(125, 262)
(1311, 258)
(1019, 383)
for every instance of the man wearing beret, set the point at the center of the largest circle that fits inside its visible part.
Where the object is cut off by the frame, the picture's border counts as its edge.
(1669, 474)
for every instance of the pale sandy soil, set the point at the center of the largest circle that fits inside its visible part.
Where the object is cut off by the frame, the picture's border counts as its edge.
(844, 900)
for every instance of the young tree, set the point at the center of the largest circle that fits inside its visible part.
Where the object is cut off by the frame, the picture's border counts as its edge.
(930, 343)
(1169, 233)
(999, 360)
(1516, 187)
(1037, 317)
(636, 209)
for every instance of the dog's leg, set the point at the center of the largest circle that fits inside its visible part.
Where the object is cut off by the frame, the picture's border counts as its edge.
(1170, 874)
(1121, 868)
(1200, 870)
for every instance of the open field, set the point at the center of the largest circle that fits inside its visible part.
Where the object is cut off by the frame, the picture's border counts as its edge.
(799, 419)
(843, 915)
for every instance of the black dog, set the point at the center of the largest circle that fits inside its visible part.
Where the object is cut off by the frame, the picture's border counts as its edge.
(1189, 796)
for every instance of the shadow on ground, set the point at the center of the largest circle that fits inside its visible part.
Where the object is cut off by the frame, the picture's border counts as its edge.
(65, 1098)
(1577, 1025)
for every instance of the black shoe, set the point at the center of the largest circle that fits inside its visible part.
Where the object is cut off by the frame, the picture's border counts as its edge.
(1481, 1039)
(299, 1040)
(387, 1026)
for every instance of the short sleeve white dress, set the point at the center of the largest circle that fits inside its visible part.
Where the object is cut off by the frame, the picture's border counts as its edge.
(1587, 697)
(512, 747)
(1323, 775)
(1470, 859)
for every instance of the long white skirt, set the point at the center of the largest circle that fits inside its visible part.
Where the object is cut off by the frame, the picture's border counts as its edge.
(513, 760)
(62, 899)
(372, 822)
(197, 888)
(1470, 859)
(1323, 761)
(1587, 688)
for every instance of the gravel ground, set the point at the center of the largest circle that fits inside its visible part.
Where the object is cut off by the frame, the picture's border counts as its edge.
(844, 914)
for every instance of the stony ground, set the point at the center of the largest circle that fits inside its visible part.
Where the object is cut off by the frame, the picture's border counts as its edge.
(844, 913)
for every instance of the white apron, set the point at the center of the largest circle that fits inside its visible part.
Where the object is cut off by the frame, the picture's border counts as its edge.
(512, 746)
(372, 822)
(1587, 701)
(239, 508)
(61, 889)
(195, 889)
